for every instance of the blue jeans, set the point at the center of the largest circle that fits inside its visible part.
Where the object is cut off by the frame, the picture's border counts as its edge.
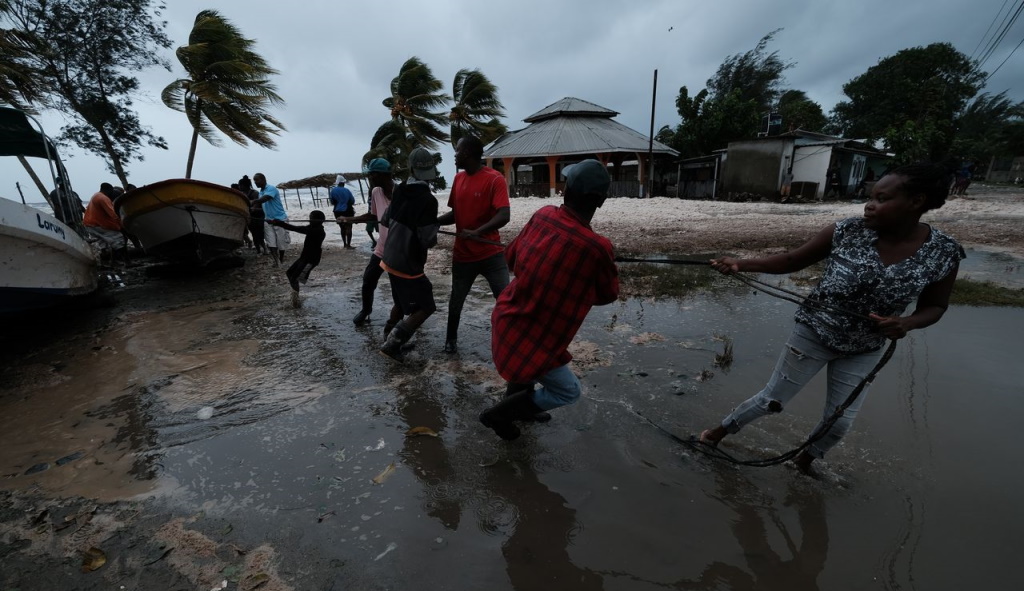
(803, 357)
(559, 387)
(495, 271)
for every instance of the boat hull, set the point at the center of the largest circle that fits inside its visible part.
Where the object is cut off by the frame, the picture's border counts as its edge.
(43, 262)
(185, 220)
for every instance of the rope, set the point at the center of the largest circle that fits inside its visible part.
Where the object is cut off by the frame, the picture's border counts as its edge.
(715, 452)
(662, 261)
(712, 450)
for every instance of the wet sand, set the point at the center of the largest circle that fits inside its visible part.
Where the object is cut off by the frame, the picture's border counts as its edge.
(202, 430)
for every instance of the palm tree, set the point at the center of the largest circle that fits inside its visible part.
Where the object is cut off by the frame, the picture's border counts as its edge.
(476, 109)
(393, 143)
(228, 88)
(20, 85)
(415, 97)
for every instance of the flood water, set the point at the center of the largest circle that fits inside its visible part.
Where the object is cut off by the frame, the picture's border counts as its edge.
(273, 423)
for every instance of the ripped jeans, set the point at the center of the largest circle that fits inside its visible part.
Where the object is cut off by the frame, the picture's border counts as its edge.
(803, 357)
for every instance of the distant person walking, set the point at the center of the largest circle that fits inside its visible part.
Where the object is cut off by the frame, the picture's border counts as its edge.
(344, 207)
(411, 221)
(479, 207)
(381, 188)
(875, 266)
(277, 238)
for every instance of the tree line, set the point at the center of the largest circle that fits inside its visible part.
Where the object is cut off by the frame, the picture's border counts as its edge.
(922, 103)
(80, 58)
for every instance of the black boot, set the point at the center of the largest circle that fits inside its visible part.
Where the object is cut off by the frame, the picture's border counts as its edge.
(500, 417)
(512, 388)
(393, 346)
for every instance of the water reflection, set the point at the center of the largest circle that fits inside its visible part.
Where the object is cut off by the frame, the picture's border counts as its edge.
(426, 456)
(755, 517)
(537, 551)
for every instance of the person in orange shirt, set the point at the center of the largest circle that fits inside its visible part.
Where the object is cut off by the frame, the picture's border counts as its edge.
(101, 219)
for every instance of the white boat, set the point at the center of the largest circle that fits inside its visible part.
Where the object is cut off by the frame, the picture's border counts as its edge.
(43, 261)
(185, 220)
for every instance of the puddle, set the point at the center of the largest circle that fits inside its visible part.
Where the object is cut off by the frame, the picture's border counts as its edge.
(284, 432)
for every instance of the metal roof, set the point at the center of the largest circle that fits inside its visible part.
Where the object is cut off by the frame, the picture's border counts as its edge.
(571, 106)
(570, 135)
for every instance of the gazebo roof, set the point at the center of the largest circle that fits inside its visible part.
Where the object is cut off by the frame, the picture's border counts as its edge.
(326, 179)
(572, 127)
(571, 106)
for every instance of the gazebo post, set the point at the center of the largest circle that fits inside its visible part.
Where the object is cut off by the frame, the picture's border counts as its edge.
(640, 173)
(552, 179)
(510, 178)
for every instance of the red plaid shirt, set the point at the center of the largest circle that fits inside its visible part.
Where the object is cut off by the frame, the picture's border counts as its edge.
(562, 269)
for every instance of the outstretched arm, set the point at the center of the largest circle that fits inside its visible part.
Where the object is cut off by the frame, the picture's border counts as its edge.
(446, 219)
(812, 251)
(288, 226)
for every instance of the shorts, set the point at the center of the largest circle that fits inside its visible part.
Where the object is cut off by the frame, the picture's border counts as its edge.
(276, 237)
(348, 213)
(413, 295)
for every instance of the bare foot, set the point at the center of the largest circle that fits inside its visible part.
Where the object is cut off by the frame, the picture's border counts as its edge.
(712, 436)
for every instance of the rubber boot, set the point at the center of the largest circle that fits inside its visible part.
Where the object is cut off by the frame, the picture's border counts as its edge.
(500, 417)
(512, 388)
(393, 346)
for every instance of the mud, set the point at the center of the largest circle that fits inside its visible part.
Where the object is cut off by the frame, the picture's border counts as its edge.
(201, 430)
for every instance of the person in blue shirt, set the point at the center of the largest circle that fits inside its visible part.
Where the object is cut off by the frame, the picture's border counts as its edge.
(276, 237)
(344, 206)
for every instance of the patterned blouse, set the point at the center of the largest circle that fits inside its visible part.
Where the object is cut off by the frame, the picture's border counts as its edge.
(855, 279)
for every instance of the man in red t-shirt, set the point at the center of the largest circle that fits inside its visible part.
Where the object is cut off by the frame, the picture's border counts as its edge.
(479, 202)
(562, 269)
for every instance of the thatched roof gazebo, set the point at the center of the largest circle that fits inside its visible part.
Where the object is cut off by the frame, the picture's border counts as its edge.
(325, 181)
(568, 131)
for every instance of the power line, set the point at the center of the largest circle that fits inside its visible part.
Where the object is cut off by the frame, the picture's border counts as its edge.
(1005, 60)
(994, 19)
(998, 38)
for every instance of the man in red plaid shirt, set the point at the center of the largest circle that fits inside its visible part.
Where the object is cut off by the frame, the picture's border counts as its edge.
(562, 269)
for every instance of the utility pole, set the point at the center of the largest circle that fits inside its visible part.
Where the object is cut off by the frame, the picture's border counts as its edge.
(650, 143)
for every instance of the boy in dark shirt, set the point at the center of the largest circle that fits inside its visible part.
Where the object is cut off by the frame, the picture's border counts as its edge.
(312, 249)
(411, 220)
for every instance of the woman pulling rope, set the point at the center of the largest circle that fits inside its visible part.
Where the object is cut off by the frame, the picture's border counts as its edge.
(875, 267)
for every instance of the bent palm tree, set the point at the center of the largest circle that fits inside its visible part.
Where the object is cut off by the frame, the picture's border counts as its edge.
(228, 88)
(415, 96)
(476, 109)
(20, 84)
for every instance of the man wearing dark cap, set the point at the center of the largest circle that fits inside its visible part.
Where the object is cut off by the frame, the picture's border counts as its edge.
(411, 220)
(562, 269)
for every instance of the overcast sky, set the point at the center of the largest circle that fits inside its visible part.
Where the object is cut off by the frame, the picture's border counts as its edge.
(336, 60)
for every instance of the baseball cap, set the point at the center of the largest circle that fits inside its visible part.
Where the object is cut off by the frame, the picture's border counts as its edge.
(421, 165)
(377, 165)
(587, 177)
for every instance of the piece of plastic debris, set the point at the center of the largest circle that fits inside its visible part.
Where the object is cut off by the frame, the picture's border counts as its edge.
(92, 559)
(205, 413)
(421, 431)
(70, 458)
(390, 547)
(380, 478)
(37, 468)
